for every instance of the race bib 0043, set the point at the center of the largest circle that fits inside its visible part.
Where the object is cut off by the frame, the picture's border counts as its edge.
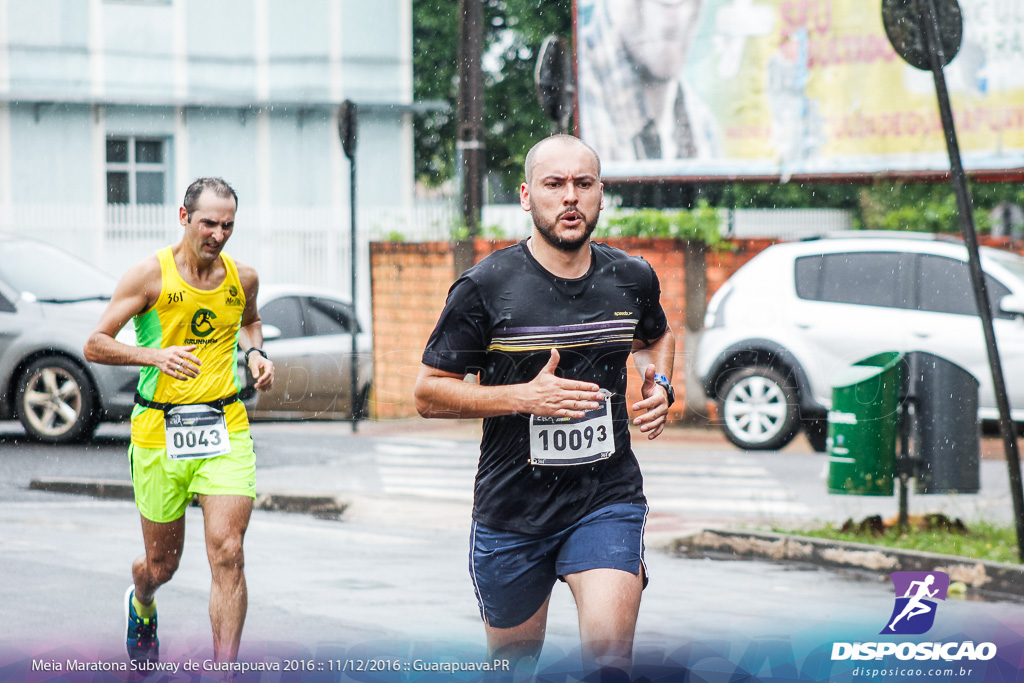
(563, 441)
(196, 431)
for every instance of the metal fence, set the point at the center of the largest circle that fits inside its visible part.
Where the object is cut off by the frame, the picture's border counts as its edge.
(310, 245)
(789, 224)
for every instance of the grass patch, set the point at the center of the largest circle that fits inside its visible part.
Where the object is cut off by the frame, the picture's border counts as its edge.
(979, 540)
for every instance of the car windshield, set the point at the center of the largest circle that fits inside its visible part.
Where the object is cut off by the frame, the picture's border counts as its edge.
(1014, 264)
(48, 274)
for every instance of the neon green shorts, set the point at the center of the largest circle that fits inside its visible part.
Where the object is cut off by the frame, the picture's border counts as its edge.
(164, 487)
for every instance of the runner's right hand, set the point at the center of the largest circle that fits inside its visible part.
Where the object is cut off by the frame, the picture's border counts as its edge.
(178, 362)
(548, 395)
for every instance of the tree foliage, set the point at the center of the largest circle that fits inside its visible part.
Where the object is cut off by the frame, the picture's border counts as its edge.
(928, 207)
(435, 77)
(701, 224)
(883, 205)
(513, 33)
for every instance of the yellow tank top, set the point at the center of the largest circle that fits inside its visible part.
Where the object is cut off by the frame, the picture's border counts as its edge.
(186, 316)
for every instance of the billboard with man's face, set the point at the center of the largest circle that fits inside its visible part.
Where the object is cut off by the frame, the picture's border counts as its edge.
(780, 88)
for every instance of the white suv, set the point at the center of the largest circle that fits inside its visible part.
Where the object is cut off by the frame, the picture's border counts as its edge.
(785, 324)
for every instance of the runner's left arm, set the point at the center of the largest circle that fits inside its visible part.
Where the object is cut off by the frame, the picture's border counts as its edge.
(656, 357)
(251, 333)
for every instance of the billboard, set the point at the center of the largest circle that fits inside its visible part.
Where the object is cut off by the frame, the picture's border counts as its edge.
(781, 88)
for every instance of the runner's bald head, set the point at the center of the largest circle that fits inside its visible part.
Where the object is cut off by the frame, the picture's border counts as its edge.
(531, 156)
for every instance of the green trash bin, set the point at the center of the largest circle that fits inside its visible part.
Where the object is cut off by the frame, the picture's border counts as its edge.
(863, 427)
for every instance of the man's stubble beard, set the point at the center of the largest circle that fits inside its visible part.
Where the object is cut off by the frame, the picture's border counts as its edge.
(547, 231)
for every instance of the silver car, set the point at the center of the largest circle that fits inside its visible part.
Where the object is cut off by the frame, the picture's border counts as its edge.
(50, 301)
(307, 333)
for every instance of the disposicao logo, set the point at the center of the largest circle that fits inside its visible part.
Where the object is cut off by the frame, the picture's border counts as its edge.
(917, 596)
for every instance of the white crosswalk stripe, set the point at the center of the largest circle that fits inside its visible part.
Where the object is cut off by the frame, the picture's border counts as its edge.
(434, 468)
(717, 483)
(690, 482)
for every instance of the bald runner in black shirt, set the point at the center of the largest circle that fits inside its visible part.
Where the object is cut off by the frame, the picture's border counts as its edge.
(547, 326)
(502, 319)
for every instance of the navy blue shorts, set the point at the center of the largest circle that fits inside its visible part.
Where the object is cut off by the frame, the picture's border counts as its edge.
(513, 573)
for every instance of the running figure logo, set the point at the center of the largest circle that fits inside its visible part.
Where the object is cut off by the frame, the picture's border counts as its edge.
(916, 595)
(202, 322)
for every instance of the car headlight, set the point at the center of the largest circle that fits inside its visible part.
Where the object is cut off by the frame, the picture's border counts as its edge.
(715, 316)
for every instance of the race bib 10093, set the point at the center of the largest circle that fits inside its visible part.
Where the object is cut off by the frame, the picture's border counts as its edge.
(563, 441)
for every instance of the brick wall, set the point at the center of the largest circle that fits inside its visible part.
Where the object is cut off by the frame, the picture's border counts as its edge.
(1004, 243)
(666, 256)
(410, 283)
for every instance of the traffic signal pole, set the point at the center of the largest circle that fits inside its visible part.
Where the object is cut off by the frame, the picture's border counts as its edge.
(1007, 429)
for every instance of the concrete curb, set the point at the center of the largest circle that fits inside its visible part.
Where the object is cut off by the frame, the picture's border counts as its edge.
(98, 488)
(324, 507)
(998, 577)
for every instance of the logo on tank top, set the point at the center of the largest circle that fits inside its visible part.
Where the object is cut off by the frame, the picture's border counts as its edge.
(202, 326)
(232, 299)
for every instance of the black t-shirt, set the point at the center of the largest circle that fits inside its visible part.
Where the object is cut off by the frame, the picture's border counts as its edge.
(502, 318)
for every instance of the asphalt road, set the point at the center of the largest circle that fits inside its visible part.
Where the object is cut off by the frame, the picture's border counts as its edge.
(693, 478)
(390, 577)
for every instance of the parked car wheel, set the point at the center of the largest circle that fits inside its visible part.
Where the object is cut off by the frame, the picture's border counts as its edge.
(816, 430)
(56, 401)
(758, 409)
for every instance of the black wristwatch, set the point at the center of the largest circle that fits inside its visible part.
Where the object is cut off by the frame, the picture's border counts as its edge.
(257, 350)
(663, 381)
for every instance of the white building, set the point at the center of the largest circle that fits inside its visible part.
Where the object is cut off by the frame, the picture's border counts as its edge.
(110, 108)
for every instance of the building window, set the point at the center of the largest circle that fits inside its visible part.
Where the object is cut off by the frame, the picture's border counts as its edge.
(136, 170)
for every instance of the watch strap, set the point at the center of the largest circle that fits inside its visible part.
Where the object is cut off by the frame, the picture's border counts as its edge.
(669, 391)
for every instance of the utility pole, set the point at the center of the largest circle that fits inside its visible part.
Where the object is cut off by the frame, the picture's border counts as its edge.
(470, 144)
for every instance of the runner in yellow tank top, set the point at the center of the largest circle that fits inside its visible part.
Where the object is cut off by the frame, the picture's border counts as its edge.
(192, 305)
(208, 320)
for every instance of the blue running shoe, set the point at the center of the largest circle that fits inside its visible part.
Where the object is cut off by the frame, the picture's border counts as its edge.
(143, 645)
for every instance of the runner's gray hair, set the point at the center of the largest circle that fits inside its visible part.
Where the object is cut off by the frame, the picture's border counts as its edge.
(217, 185)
